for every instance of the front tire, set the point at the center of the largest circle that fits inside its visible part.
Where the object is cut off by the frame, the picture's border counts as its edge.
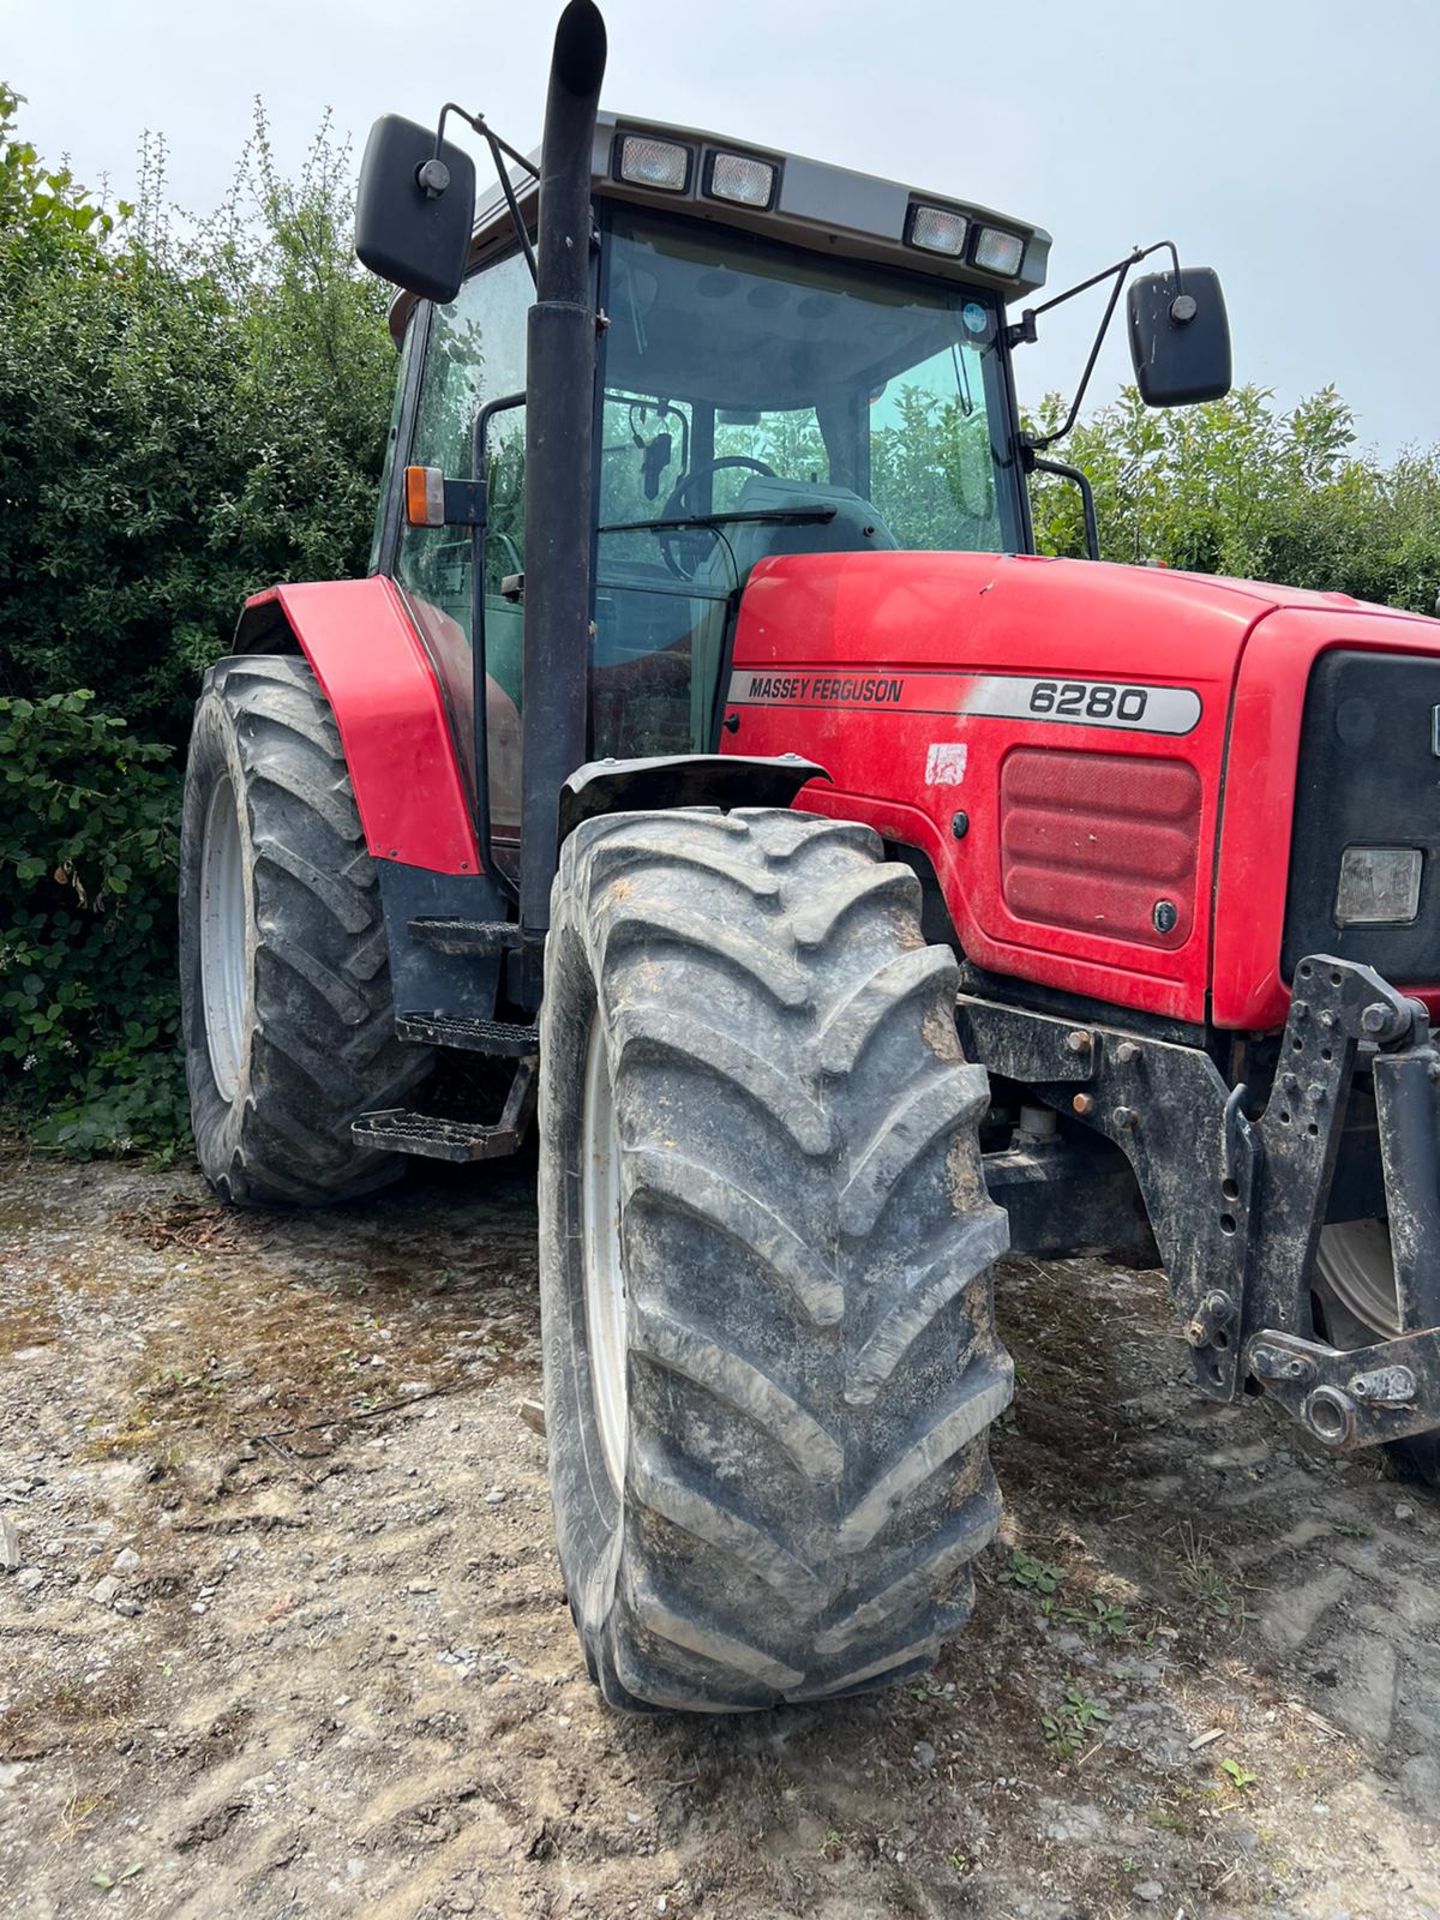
(285, 978)
(1359, 1303)
(770, 1350)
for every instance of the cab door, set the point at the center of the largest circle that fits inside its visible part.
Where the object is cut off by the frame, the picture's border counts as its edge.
(474, 353)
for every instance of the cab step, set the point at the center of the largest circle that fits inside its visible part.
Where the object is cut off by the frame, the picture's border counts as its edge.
(503, 1039)
(485, 938)
(397, 1130)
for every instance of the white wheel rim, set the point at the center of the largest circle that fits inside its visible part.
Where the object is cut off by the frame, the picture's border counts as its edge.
(1357, 1266)
(601, 1254)
(223, 983)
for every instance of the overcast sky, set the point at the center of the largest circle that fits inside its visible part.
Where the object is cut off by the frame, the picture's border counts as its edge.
(1292, 144)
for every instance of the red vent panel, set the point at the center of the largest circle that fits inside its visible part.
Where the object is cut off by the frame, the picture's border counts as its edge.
(1093, 841)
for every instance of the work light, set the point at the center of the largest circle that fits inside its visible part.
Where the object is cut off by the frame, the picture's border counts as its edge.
(735, 176)
(1379, 886)
(999, 252)
(654, 163)
(938, 230)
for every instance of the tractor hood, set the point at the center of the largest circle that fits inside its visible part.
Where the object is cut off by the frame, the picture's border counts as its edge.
(1056, 736)
(1013, 613)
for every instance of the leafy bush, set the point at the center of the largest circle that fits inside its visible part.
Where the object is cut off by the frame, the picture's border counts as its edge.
(1239, 486)
(188, 411)
(88, 1001)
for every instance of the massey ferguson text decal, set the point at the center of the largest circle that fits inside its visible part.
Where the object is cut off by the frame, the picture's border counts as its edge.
(1085, 703)
(816, 690)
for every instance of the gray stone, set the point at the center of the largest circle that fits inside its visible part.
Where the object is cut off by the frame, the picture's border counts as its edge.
(1364, 1702)
(1149, 1891)
(1073, 1823)
(29, 1578)
(1293, 1612)
(126, 1561)
(1420, 1784)
(922, 1756)
(127, 1606)
(10, 1554)
(104, 1591)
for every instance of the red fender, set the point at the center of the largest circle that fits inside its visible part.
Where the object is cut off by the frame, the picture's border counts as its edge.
(394, 726)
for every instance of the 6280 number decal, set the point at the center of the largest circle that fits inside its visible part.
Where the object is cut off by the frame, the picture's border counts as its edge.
(1084, 703)
(1094, 700)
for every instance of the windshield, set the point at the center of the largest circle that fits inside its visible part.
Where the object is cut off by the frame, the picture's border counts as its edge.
(742, 376)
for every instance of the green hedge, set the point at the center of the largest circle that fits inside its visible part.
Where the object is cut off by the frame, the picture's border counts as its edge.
(188, 411)
(88, 1013)
(1240, 486)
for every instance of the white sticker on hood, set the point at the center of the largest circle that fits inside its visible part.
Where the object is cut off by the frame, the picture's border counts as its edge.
(945, 763)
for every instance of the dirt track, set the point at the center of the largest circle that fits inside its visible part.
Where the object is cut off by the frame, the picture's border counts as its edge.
(335, 1671)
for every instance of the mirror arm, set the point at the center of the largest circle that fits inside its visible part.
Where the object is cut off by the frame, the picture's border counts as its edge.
(1032, 463)
(478, 124)
(498, 148)
(1024, 332)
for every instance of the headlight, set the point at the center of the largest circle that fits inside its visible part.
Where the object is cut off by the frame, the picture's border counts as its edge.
(1379, 886)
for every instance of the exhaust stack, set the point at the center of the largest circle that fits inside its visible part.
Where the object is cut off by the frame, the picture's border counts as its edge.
(560, 382)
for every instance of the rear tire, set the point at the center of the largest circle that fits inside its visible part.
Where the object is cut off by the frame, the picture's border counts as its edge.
(285, 976)
(761, 1199)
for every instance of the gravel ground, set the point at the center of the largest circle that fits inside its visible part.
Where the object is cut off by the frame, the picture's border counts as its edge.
(283, 1632)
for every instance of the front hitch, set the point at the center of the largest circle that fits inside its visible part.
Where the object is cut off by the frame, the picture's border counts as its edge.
(1237, 1204)
(1391, 1389)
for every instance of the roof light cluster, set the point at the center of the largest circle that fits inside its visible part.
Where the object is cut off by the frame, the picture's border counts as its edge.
(745, 180)
(668, 166)
(946, 230)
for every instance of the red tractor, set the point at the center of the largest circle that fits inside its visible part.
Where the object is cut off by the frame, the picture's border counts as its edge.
(845, 892)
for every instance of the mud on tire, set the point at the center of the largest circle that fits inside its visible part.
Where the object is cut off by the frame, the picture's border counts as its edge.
(311, 1028)
(805, 1241)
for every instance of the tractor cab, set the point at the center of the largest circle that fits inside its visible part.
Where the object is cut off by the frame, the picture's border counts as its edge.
(792, 358)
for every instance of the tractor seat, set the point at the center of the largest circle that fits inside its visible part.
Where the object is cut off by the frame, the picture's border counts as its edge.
(856, 528)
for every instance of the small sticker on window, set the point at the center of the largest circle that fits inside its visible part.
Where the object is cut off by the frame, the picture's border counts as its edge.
(945, 763)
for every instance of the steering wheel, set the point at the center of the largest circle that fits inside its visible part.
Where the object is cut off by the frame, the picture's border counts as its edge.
(679, 501)
(678, 504)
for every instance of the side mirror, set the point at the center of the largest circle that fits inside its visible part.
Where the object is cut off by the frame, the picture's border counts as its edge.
(415, 210)
(1179, 337)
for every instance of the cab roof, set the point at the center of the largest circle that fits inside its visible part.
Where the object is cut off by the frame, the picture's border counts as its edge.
(827, 209)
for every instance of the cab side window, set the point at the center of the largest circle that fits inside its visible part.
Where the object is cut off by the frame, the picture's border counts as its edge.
(392, 439)
(475, 353)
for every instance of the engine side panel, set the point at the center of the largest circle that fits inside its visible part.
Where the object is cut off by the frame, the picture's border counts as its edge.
(1090, 840)
(1049, 733)
(409, 783)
